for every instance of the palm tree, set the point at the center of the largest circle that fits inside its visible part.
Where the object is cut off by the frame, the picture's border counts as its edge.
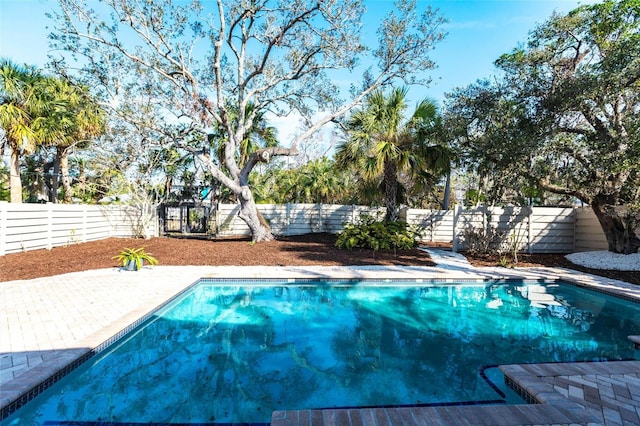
(381, 145)
(433, 157)
(35, 111)
(73, 123)
(318, 181)
(19, 105)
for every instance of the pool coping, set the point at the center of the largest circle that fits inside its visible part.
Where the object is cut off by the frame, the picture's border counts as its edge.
(27, 384)
(542, 384)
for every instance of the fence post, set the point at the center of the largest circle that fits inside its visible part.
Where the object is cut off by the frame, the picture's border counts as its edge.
(485, 216)
(49, 207)
(216, 218)
(4, 207)
(529, 220)
(574, 214)
(456, 214)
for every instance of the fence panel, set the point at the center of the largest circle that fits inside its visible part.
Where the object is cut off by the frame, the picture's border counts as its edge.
(127, 221)
(298, 219)
(336, 216)
(552, 230)
(437, 225)
(228, 224)
(68, 224)
(275, 214)
(512, 224)
(536, 230)
(292, 219)
(475, 218)
(25, 226)
(589, 234)
(97, 228)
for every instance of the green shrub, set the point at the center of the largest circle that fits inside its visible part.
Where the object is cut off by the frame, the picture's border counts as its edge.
(369, 233)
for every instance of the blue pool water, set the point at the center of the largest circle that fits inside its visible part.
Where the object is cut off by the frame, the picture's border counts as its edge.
(225, 353)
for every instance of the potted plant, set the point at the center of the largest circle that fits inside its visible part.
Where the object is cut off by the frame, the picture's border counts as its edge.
(133, 259)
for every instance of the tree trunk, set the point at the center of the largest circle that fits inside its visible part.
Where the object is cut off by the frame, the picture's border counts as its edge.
(447, 192)
(63, 154)
(167, 186)
(260, 230)
(621, 226)
(391, 190)
(249, 213)
(82, 181)
(55, 179)
(15, 183)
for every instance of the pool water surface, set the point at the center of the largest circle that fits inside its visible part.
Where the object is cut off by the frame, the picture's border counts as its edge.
(234, 352)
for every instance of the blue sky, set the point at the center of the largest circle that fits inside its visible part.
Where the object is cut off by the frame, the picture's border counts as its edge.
(479, 31)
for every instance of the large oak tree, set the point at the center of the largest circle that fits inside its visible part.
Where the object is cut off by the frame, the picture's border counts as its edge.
(202, 59)
(564, 115)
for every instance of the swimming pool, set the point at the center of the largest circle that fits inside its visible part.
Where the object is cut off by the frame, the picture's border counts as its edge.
(235, 351)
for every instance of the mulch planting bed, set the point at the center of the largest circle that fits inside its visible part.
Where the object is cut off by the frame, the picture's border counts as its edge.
(304, 250)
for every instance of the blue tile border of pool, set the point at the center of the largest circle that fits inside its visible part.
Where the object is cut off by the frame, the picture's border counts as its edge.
(75, 423)
(608, 292)
(23, 399)
(379, 282)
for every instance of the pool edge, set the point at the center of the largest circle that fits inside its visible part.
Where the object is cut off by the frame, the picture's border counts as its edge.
(84, 351)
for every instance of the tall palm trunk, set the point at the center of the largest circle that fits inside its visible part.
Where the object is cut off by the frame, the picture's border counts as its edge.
(55, 180)
(447, 192)
(61, 175)
(82, 180)
(15, 183)
(63, 155)
(391, 190)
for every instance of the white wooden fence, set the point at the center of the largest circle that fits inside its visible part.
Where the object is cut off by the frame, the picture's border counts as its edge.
(539, 229)
(293, 219)
(589, 235)
(535, 230)
(26, 226)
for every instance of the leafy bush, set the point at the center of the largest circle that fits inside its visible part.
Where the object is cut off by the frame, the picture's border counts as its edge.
(479, 241)
(492, 241)
(369, 233)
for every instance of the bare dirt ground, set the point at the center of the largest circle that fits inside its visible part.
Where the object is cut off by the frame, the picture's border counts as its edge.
(304, 250)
